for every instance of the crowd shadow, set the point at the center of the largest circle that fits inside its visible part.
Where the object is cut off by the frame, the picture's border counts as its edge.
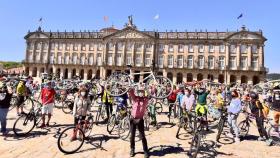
(164, 150)
(165, 125)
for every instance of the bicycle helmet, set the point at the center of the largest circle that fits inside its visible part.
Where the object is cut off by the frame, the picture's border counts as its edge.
(254, 95)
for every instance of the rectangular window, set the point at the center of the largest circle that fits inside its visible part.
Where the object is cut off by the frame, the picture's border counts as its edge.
(83, 47)
(222, 48)
(201, 48)
(91, 59)
(222, 62)
(170, 48)
(138, 47)
(75, 57)
(51, 58)
(232, 62)
(180, 61)
(66, 58)
(129, 59)
(59, 58)
(99, 46)
(60, 46)
(232, 49)
(32, 45)
(170, 61)
(190, 48)
(45, 47)
(82, 62)
(190, 61)
(99, 59)
(119, 59)
(254, 49)
(45, 57)
(68, 46)
(200, 62)
(138, 60)
(243, 63)
(181, 48)
(148, 60)
(211, 48)
(243, 48)
(120, 46)
(110, 59)
(38, 56)
(149, 47)
(255, 63)
(160, 61)
(111, 46)
(211, 62)
(129, 46)
(161, 47)
(91, 47)
(52, 46)
(75, 46)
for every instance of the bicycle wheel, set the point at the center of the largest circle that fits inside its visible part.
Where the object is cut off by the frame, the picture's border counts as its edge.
(171, 114)
(159, 87)
(159, 108)
(13, 103)
(111, 123)
(89, 126)
(181, 124)
(67, 143)
(117, 84)
(195, 145)
(124, 128)
(24, 124)
(274, 134)
(67, 107)
(243, 128)
(220, 129)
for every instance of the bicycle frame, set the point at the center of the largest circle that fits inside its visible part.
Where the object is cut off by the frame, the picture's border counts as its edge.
(151, 75)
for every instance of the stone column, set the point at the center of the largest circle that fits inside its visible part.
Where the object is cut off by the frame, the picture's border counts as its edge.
(70, 73)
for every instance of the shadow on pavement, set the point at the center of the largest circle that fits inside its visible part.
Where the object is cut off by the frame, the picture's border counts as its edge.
(163, 150)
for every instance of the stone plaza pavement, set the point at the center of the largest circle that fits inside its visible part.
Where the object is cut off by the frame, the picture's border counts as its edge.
(42, 143)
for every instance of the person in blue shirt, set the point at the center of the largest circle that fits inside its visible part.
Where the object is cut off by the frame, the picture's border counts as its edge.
(233, 112)
(179, 100)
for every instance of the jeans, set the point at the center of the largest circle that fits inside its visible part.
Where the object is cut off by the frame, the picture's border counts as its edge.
(140, 125)
(232, 121)
(260, 125)
(109, 109)
(3, 119)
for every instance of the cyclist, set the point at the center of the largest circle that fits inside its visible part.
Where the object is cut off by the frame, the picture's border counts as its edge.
(276, 107)
(82, 105)
(201, 109)
(256, 109)
(172, 99)
(47, 96)
(5, 99)
(21, 93)
(139, 106)
(179, 98)
(108, 101)
(233, 112)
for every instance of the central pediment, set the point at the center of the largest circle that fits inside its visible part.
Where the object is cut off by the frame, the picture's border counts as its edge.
(129, 33)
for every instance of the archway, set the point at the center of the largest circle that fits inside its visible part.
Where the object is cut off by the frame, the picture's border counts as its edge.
(108, 73)
(51, 71)
(42, 70)
(232, 79)
(210, 77)
(179, 78)
(199, 77)
(27, 71)
(189, 77)
(221, 78)
(58, 73)
(97, 75)
(160, 73)
(256, 80)
(244, 79)
(66, 73)
(73, 73)
(89, 76)
(170, 76)
(82, 73)
(34, 72)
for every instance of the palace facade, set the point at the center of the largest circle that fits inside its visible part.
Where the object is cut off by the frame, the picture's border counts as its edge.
(231, 56)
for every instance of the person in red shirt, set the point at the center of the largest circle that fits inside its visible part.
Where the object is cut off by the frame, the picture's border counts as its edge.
(47, 96)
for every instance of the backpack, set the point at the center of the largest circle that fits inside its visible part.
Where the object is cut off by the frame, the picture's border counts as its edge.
(172, 96)
(264, 107)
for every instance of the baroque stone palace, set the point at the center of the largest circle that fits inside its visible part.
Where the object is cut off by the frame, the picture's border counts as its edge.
(181, 56)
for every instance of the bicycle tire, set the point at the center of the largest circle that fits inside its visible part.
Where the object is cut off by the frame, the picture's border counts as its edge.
(274, 135)
(118, 82)
(111, 123)
(162, 94)
(66, 107)
(159, 108)
(62, 135)
(181, 122)
(196, 140)
(89, 128)
(220, 129)
(243, 128)
(27, 118)
(124, 126)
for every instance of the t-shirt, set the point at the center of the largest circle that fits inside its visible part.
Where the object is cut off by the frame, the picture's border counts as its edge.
(47, 95)
(180, 98)
(235, 106)
(5, 102)
(201, 97)
(188, 101)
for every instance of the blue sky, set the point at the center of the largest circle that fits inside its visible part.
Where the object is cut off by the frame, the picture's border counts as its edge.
(19, 16)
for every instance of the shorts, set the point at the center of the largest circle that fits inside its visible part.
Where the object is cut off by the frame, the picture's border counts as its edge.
(20, 100)
(201, 110)
(47, 109)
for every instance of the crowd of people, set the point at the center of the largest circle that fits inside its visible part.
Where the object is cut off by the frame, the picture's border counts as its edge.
(186, 98)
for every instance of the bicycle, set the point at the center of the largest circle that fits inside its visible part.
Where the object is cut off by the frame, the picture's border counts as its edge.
(101, 112)
(221, 124)
(172, 113)
(185, 122)
(198, 135)
(67, 144)
(29, 120)
(158, 87)
(244, 125)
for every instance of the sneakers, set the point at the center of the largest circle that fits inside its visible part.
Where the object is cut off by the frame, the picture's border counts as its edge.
(261, 139)
(42, 126)
(146, 155)
(237, 140)
(268, 142)
(132, 153)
